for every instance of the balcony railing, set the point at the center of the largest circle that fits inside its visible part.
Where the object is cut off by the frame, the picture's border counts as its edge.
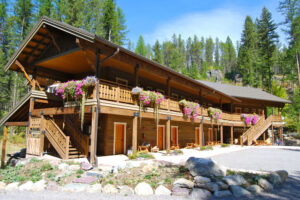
(119, 93)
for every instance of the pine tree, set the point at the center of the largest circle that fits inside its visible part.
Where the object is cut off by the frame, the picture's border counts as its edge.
(158, 56)
(267, 39)
(45, 8)
(194, 72)
(209, 48)
(217, 52)
(197, 51)
(141, 47)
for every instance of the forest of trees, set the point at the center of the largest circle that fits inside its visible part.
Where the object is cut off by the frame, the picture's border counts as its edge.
(259, 58)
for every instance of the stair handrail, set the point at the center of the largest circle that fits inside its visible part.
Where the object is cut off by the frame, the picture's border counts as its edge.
(78, 139)
(261, 128)
(56, 137)
(246, 134)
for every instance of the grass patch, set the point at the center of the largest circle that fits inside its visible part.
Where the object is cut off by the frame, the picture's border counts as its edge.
(203, 148)
(224, 145)
(137, 155)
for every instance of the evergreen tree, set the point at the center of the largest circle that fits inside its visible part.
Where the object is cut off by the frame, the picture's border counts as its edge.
(158, 56)
(194, 72)
(141, 48)
(209, 48)
(217, 52)
(45, 8)
(267, 39)
(197, 51)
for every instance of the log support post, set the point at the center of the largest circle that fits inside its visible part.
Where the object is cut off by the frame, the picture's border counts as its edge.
(231, 134)
(93, 134)
(134, 131)
(168, 135)
(221, 132)
(273, 135)
(264, 136)
(200, 132)
(3, 147)
(281, 133)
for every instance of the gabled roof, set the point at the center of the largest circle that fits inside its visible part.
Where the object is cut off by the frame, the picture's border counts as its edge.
(244, 92)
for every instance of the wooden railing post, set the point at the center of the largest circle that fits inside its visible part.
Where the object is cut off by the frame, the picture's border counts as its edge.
(231, 134)
(67, 147)
(241, 141)
(221, 132)
(3, 147)
(200, 133)
(118, 94)
(42, 135)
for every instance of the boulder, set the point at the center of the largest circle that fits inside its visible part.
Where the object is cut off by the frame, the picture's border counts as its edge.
(223, 193)
(26, 186)
(110, 189)
(148, 168)
(222, 185)
(52, 186)
(283, 175)
(179, 191)
(209, 186)
(74, 187)
(275, 179)
(162, 190)
(204, 167)
(201, 180)
(94, 188)
(86, 166)
(198, 193)
(143, 189)
(126, 190)
(184, 183)
(85, 179)
(39, 185)
(234, 180)
(2, 185)
(97, 174)
(238, 191)
(265, 184)
(12, 186)
(254, 189)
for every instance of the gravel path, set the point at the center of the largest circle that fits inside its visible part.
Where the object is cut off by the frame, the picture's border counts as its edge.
(268, 159)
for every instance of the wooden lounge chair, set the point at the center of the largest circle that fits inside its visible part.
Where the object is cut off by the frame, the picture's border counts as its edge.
(189, 146)
(154, 149)
(174, 147)
(143, 149)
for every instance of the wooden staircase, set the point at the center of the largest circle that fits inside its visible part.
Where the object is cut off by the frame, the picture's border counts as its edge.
(254, 132)
(61, 142)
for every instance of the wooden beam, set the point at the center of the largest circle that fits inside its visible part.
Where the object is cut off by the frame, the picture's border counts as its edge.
(168, 134)
(52, 38)
(30, 54)
(16, 123)
(221, 133)
(39, 43)
(60, 111)
(134, 132)
(25, 73)
(231, 134)
(86, 54)
(136, 75)
(201, 133)
(3, 147)
(93, 135)
(42, 136)
(44, 101)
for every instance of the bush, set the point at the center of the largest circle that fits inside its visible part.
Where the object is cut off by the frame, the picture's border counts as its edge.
(224, 145)
(144, 155)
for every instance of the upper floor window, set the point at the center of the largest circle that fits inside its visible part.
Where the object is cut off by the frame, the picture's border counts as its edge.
(238, 110)
(121, 81)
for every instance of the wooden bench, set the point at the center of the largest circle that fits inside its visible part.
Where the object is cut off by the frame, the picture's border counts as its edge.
(143, 149)
(174, 147)
(189, 146)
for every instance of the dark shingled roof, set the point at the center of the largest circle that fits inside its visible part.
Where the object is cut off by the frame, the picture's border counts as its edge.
(244, 92)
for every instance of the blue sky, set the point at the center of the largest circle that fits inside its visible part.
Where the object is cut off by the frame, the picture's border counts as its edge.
(159, 19)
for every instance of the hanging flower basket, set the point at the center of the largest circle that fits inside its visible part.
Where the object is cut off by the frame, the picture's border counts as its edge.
(190, 109)
(78, 91)
(214, 114)
(249, 119)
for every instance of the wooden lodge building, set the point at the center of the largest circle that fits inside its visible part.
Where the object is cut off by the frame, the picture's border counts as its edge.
(55, 51)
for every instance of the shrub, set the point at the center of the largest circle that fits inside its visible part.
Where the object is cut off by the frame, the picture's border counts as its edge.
(144, 155)
(224, 145)
(46, 167)
(35, 160)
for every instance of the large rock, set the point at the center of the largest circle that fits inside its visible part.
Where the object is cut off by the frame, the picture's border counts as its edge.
(217, 74)
(222, 185)
(26, 186)
(85, 179)
(86, 166)
(238, 191)
(283, 175)
(2, 185)
(74, 167)
(39, 186)
(94, 188)
(162, 190)
(265, 184)
(74, 187)
(110, 189)
(234, 180)
(149, 168)
(255, 189)
(204, 167)
(126, 190)
(223, 193)
(275, 179)
(201, 180)
(184, 183)
(209, 186)
(143, 189)
(198, 193)
(179, 191)
(97, 174)
(12, 186)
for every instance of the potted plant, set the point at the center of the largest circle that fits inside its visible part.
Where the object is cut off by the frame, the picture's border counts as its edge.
(190, 109)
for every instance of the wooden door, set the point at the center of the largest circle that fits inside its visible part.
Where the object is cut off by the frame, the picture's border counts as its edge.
(197, 136)
(210, 134)
(160, 137)
(174, 135)
(119, 138)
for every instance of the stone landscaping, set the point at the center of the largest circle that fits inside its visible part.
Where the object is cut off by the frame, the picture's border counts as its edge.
(199, 178)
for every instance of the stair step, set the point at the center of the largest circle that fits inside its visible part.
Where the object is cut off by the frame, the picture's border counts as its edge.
(76, 156)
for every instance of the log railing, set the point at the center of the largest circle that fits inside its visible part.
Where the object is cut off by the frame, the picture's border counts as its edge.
(78, 139)
(56, 137)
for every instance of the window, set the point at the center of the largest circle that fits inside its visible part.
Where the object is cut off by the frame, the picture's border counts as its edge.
(121, 81)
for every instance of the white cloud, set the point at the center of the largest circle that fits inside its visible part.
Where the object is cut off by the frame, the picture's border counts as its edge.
(215, 23)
